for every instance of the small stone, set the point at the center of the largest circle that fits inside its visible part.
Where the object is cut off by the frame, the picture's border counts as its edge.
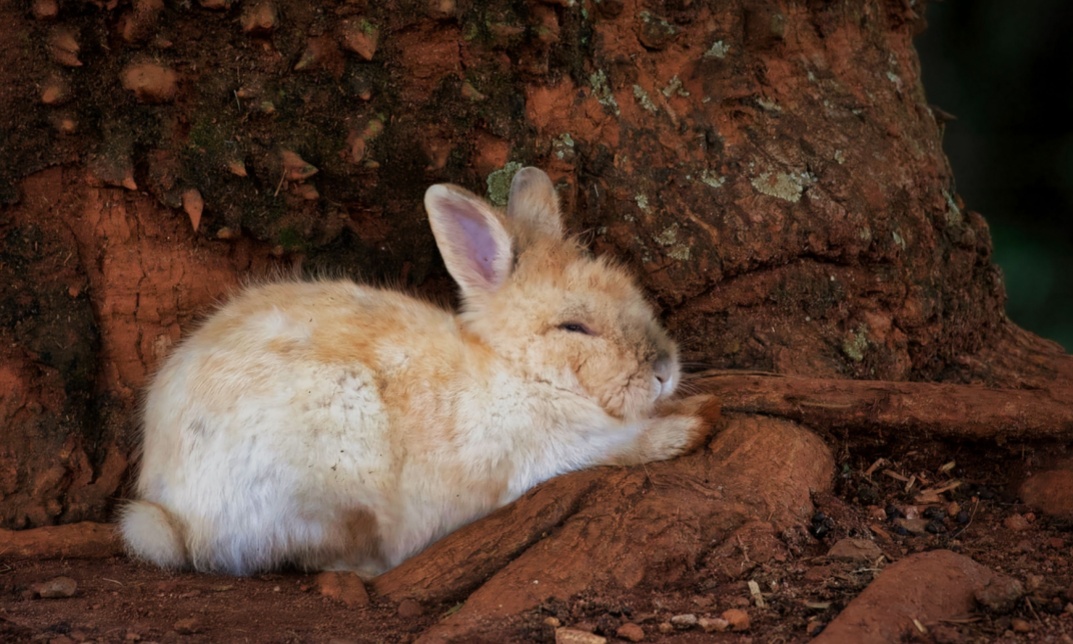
(66, 124)
(188, 626)
(237, 167)
(859, 550)
(320, 53)
(737, 618)
(228, 233)
(631, 632)
(1016, 522)
(665, 627)
(345, 587)
(952, 509)
(552, 621)
(361, 37)
(295, 168)
(912, 526)
(355, 150)
(713, 624)
(410, 608)
(684, 621)
(55, 91)
(194, 205)
(150, 82)
(141, 23)
(1020, 626)
(470, 92)
(63, 47)
(1050, 492)
(58, 588)
(566, 635)
(46, 9)
(1001, 594)
(260, 17)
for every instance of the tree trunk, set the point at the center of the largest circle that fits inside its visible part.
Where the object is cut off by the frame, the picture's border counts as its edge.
(771, 171)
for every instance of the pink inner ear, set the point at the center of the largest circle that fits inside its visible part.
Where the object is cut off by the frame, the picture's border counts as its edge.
(480, 246)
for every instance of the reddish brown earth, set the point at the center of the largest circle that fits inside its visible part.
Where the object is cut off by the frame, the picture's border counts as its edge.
(773, 174)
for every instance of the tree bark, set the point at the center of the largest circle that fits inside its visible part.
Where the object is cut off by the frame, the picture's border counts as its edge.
(771, 171)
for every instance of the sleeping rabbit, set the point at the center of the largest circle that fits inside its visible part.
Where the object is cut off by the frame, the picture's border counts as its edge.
(333, 425)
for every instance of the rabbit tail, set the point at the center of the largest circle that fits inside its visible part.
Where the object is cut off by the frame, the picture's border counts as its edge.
(153, 534)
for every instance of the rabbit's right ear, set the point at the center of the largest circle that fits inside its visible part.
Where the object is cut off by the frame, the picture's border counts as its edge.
(533, 200)
(475, 246)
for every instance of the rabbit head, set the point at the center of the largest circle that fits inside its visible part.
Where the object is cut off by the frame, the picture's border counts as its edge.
(536, 299)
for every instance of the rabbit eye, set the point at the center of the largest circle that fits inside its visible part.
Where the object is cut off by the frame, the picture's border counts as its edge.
(576, 327)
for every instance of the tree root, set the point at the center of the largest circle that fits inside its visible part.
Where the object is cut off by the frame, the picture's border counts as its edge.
(618, 527)
(972, 412)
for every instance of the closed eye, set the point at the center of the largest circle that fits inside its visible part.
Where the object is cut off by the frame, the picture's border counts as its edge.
(576, 327)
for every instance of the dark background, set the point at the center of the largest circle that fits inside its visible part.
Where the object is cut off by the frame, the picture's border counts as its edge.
(1005, 70)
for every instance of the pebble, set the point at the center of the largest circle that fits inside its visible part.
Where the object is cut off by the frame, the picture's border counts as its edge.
(631, 632)
(861, 550)
(410, 608)
(665, 627)
(142, 21)
(63, 47)
(912, 526)
(58, 588)
(716, 624)
(187, 626)
(46, 9)
(296, 168)
(260, 18)
(737, 619)
(194, 205)
(1001, 594)
(684, 621)
(54, 91)
(1050, 492)
(820, 525)
(360, 37)
(1020, 626)
(345, 587)
(1016, 522)
(150, 82)
(567, 635)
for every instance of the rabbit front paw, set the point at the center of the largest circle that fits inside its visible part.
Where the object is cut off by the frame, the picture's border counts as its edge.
(680, 426)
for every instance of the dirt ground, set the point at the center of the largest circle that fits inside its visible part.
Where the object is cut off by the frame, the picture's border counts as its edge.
(802, 588)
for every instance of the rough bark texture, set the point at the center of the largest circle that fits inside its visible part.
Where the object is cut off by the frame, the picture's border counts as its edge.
(771, 171)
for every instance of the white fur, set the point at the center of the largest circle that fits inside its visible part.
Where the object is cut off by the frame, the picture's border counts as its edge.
(334, 425)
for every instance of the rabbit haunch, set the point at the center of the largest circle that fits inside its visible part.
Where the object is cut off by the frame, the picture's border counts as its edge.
(328, 424)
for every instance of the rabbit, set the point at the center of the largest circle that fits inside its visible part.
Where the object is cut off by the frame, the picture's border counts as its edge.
(331, 425)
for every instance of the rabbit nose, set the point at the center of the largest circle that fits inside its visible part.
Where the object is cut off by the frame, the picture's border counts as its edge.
(666, 373)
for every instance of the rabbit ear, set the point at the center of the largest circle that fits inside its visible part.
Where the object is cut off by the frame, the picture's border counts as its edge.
(533, 201)
(475, 246)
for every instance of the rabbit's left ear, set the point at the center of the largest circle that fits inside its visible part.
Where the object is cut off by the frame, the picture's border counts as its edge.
(472, 239)
(534, 202)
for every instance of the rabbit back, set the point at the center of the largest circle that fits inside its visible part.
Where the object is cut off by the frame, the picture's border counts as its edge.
(279, 430)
